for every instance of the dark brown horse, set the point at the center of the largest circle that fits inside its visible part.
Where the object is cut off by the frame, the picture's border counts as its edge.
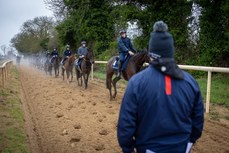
(68, 67)
(133, 66)
(56, 65)
(87, 61)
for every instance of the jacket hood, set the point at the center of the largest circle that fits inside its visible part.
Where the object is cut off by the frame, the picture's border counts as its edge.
(168, 66)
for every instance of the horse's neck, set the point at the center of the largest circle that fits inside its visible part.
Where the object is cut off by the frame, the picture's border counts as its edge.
(138, 59)
(71, 59)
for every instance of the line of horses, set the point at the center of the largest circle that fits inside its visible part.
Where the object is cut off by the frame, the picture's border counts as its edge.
(134, 65)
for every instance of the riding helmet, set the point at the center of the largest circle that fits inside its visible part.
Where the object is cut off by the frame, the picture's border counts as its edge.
(83, 42)
(122, 31)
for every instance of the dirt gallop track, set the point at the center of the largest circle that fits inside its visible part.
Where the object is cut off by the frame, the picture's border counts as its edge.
(62, 118)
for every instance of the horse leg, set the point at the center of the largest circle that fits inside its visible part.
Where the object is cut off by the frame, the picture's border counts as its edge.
(108, 85)
(114, 81)
(67, 76)
(86, 84)
(85, 80)
(54, 68)
(77, 78)
(63, 73)
(81, 79)
(50, 70)
(57, 69)
(71, 76)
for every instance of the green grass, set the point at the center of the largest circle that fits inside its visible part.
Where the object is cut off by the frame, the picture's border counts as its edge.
(219, 87)
(102, 76)
(12, 132)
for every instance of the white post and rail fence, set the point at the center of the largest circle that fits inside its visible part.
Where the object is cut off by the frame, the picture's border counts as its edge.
(189, 67)
(4, 70)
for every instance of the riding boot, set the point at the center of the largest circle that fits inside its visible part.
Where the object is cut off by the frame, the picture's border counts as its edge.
(119, 69)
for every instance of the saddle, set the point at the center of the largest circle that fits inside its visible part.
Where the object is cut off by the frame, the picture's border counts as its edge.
(116, 63)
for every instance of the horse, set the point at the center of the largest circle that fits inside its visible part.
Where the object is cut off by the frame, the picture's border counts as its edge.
(133, 66)
(56, 65)
(48, 66)
(87, 61)
(68, 67)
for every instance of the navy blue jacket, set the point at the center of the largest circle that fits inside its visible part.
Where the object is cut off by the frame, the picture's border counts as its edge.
(55, 52)
(124, 45)
(160, 111)
(82, 51)
(67, 53)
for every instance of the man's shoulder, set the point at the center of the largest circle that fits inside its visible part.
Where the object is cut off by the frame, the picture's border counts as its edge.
(189, 78)
(142, 75)
(119, 39)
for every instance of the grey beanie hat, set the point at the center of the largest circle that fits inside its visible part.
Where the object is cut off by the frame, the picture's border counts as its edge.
(161, 41)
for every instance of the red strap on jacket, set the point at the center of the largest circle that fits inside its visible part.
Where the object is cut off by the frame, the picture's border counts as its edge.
(168, 85)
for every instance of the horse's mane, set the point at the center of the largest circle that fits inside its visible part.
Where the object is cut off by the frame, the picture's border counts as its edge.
(138, 55)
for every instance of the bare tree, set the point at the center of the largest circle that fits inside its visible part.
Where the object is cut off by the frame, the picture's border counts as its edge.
(58, 7)
(3, 47)
(38, 27)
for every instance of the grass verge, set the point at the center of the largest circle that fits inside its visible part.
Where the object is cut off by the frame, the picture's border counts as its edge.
(12, 133)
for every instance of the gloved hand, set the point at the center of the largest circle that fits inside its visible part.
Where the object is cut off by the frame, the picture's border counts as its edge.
(130, 52)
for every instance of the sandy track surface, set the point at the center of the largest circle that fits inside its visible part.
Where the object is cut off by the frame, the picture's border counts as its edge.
(62, 118)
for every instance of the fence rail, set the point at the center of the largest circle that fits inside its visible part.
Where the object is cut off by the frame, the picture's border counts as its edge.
(4, 68)
(190, 67)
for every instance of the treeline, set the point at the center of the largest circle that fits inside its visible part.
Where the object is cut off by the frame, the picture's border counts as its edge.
(199, 27)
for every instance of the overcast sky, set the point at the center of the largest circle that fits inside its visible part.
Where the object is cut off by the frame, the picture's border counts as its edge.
(13, 13)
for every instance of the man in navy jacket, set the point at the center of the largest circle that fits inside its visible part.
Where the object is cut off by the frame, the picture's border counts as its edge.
(125, 47)
(162, 109)
(54, 53)
(67, 54)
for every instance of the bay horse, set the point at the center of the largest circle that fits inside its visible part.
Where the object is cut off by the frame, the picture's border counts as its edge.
(56, 65)
(85, 66)
(133, 66)
(68, 67)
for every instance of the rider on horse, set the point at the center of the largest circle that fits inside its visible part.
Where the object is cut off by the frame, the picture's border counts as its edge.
(54, 54)
(67, 53)
(47, 54)
(125, 48)
(82, 51)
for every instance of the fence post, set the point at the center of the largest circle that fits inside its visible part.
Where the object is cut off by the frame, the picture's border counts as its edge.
(208, 91)
(3, 78)
(92, 71)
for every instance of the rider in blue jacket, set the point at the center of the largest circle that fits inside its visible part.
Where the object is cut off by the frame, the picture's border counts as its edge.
(125, 47)
(162, 108)
(67, 53)
(54, 53)
(81, 53)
